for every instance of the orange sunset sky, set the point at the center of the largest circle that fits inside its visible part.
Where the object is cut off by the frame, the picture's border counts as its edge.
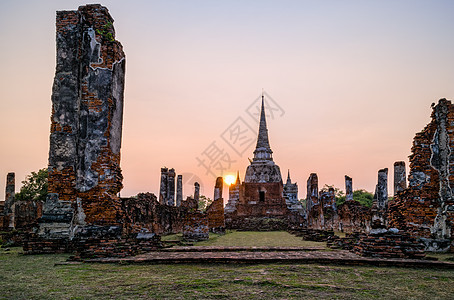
(351, 82)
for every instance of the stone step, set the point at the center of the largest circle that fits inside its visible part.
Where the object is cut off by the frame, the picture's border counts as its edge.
(340, 257)
(238, 249)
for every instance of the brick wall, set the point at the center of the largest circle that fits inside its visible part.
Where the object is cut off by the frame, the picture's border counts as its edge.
(428, 196)
(86, 120)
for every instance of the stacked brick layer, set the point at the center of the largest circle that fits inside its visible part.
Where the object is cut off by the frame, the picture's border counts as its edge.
(415, 208)
(86, 120)
(390, 245)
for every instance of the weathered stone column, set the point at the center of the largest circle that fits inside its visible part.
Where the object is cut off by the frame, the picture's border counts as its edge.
(218, 188)
(86, 124)
(196, 191)
(163, 186)
(348, 188)
(179, 190)
(314, 211)
(380, 205)
(382, 189)
(312, 191)
(234, 195)
(400, 178)
(171, 187)
(441, 149)
(10, 189)
(9, 198)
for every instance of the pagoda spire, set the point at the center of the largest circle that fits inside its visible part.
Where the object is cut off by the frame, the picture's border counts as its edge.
(238, 177)
(289, 181)
(263, 149)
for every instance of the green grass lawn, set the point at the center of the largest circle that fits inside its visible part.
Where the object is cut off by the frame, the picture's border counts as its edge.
(259, 239)
(37, 277)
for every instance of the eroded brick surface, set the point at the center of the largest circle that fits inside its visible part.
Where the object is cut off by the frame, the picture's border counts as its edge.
(423, 209)
(353, 217)
(196, 226)
(86, 121)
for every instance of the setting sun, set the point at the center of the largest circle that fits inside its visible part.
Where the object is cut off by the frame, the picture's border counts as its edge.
(229, 179)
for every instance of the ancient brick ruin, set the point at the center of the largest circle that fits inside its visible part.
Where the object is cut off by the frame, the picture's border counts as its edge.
(425, 207)
(84, 212)
(167, 188)
(215, 211)
(234, 195)
(261, 195)
(86, 125)
(400, 177)
(7, 209)
(322, 212)
(380, 204)
(291, 197)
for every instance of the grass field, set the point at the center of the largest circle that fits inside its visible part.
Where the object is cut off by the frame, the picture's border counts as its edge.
(43, 277)
(259, 239)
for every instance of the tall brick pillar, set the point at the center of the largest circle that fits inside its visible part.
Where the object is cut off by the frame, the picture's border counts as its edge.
(10, 189)
(312, 191)
(171, 187)
(380, 204)
(400, 178)
(218, 188)
(9, 197)
(196, 191)
(179, 190)
(163, 186)
(86, 124)
(348, 188)
(314, 211)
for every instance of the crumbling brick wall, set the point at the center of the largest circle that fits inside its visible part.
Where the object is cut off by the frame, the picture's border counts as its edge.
(26, 213)
(215, 214)
(86, 120)
(196, 226)
(328, 202)
(145, 212)
(261, 200)
(353, 217)
(424, 208)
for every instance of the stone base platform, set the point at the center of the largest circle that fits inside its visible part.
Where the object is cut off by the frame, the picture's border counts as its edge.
(256, 255)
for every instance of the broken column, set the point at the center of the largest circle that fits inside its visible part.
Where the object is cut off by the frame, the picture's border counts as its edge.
(215, 211)
(312, 191)
(171, 188)
(425, 208)
(10, 189)
(179, 190)
(348, 188)
(86, 125)
(400, 178)
(9, 198)
(218, 188)
(314, 211)
(163, 186)
(196, 191)
(234, 195)
(380, 204)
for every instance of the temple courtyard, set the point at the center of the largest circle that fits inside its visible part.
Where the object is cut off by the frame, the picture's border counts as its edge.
(52, 276)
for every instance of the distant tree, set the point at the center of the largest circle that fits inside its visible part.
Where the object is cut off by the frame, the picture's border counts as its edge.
(363, 197)
(338, 194)
(34, 187)
(204, 202)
